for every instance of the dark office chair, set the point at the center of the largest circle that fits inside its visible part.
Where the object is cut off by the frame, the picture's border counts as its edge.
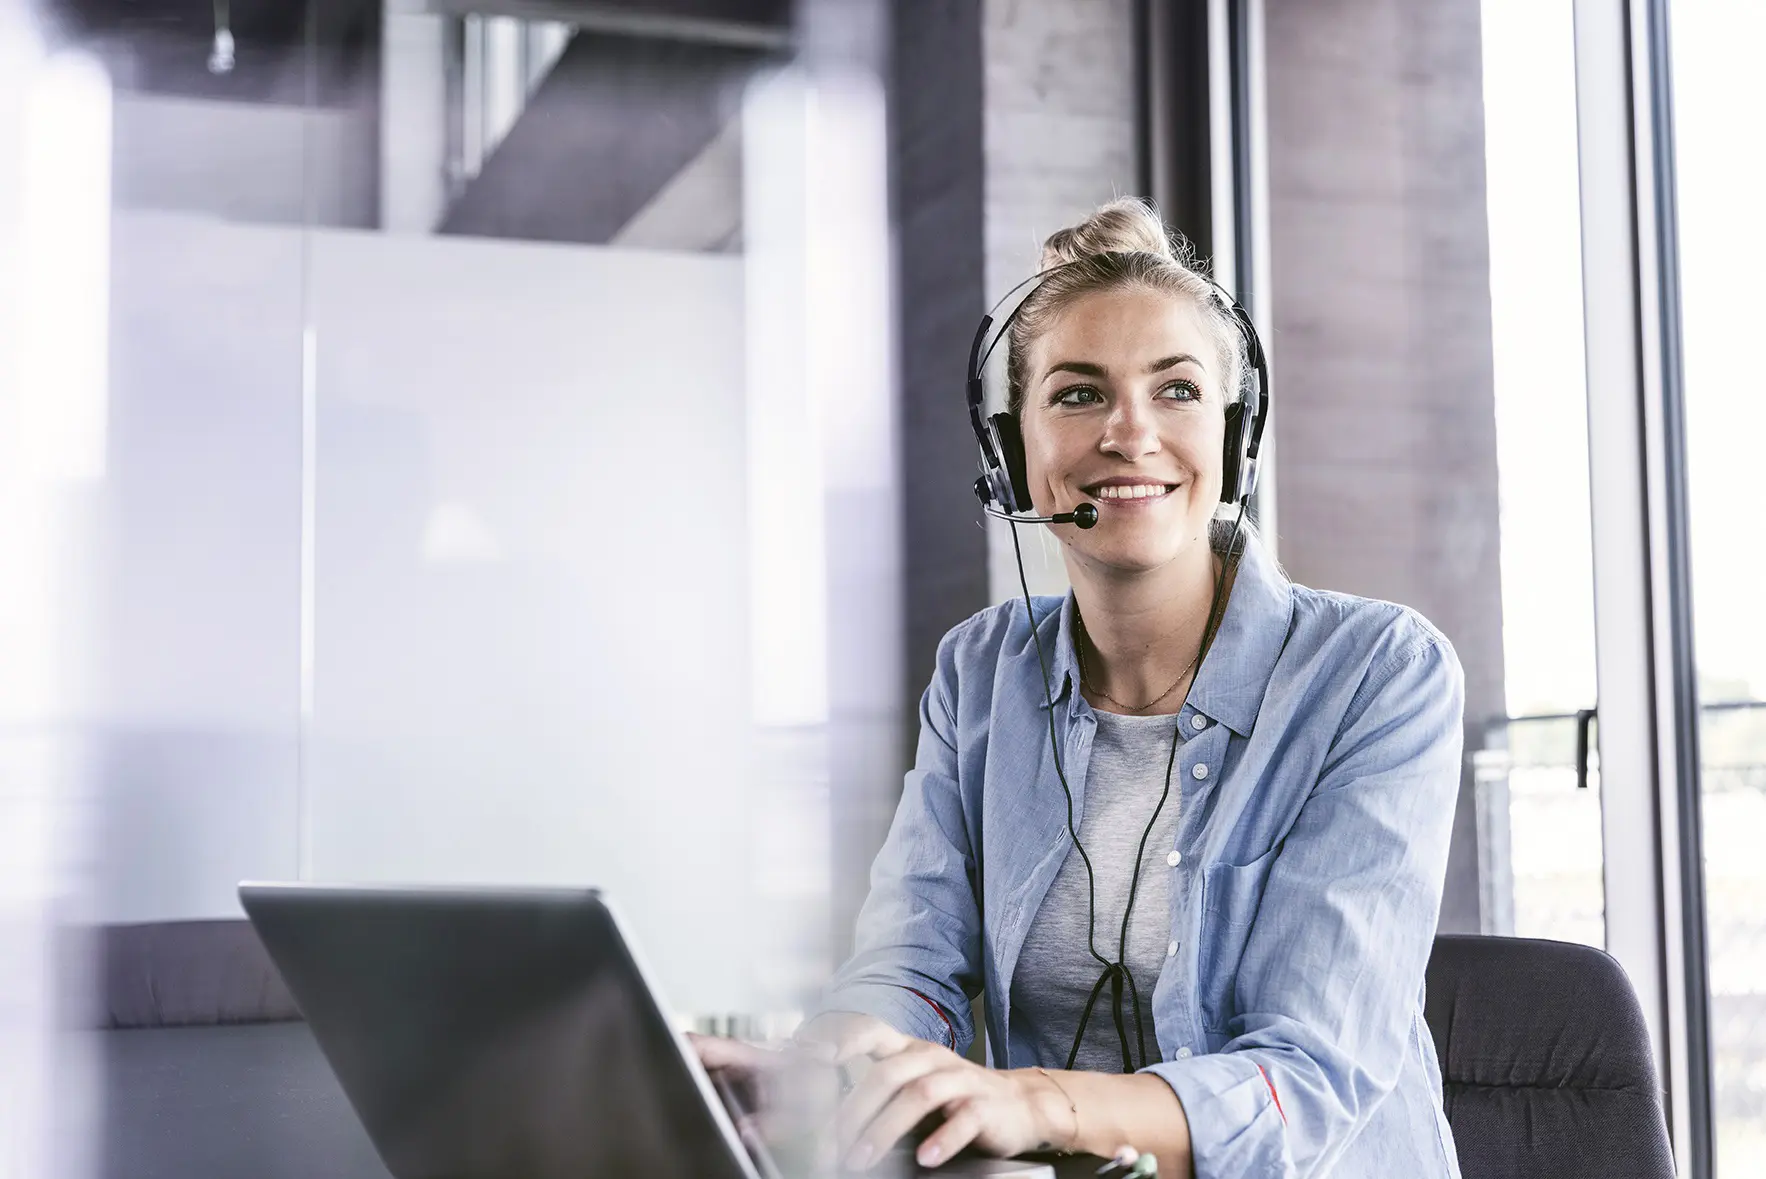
(1545, 1062)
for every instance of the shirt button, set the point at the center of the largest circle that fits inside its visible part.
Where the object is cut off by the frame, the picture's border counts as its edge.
(1171, 950)
(1199, 771)
(1198, 722)
(1183, 1053)
(1174, 858)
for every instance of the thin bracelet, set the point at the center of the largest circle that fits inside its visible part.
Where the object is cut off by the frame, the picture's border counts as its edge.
(1073, 1137)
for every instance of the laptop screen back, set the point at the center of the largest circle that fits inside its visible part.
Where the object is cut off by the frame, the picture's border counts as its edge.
(494, 1035)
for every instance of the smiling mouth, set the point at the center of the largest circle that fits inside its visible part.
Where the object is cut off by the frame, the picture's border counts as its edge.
(1135, 493)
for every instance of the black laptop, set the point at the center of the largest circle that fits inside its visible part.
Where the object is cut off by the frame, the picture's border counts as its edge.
(497, 1034)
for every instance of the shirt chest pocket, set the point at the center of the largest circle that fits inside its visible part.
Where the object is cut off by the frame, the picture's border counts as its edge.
(1231, 894)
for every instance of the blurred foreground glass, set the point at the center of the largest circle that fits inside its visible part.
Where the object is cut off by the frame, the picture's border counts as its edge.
(55, 141)
(439, 446)
(596, 446)
(1540, 834)
(1719, 108)
(524, 577)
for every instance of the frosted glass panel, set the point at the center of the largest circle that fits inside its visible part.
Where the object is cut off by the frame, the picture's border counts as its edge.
(530, 607)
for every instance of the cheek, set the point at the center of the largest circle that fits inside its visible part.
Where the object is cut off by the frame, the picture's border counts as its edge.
(1046, 455)
(1202, 453)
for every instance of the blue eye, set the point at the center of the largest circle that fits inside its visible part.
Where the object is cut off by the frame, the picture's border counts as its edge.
(1076, 395)
(1185, 390)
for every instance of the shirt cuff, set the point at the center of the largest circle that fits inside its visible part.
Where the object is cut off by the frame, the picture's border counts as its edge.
(1237, 1130)
(904, 1009)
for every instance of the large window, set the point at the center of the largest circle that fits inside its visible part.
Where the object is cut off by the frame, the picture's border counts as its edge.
(1625, 255)
(1719, 109)
(1539, 786)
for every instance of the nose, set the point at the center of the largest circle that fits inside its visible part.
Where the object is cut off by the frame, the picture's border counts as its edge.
(1129, 431)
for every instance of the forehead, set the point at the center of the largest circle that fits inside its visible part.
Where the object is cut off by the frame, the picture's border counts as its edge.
(1122, 327)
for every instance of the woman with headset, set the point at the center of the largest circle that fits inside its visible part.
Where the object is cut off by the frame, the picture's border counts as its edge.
(1185, 829)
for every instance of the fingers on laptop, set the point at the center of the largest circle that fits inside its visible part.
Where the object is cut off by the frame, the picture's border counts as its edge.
(721, 1052)
(891, 1098)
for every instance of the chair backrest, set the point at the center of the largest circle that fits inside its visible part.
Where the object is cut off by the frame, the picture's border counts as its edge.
(208, 1068)
(1545, 1062)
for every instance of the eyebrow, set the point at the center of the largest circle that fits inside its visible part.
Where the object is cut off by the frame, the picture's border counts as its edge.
(1087, 369)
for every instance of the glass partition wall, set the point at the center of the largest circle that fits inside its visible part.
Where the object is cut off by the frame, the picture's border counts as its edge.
(524, 590)
(592, 403)
(468, 444)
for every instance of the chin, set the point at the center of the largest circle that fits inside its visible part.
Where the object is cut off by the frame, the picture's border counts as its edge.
(1135, 558)
(1149, 550)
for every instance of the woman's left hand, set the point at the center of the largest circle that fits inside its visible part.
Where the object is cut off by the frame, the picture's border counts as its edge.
(999, 1112)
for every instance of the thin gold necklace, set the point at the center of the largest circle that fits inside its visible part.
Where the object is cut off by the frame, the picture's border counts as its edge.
(1085, 679)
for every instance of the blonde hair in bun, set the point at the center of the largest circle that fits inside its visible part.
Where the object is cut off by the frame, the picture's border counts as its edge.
(1122, 244)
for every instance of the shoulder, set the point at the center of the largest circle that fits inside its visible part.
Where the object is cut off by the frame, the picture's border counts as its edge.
(1377, 625)
(993, 654)
(1375, 639)
(1003, 630)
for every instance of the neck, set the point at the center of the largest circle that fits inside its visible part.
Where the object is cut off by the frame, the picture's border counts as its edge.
(1143, 632)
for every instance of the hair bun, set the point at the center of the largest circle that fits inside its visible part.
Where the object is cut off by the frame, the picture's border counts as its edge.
(1124, 225)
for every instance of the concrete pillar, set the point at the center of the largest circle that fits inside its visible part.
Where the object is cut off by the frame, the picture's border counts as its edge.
(1061, 139)
(414, 121)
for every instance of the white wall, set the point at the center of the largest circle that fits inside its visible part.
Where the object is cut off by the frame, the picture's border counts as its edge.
(198, 606)
(530, 618)
(531, 615)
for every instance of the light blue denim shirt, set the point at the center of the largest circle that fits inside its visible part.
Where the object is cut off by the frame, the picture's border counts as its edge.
(1319, 770)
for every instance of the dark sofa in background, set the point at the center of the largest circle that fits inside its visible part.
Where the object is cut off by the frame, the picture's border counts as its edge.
(208, 1070)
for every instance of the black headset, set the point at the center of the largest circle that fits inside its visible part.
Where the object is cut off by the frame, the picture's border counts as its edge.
(1004, 487)
(1004, 491)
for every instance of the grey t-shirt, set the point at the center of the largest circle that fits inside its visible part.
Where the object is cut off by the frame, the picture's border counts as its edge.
(1056, 971)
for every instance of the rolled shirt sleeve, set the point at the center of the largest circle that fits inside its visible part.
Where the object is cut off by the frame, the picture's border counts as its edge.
(916, 949)
(1326, 990)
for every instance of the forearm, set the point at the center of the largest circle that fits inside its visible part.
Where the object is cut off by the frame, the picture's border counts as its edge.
(1098, 1113)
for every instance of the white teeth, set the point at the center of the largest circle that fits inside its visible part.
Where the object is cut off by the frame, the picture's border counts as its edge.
(1137, 491)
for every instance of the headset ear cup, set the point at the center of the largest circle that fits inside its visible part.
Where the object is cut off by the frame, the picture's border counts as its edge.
(1232, 459)
(1010, 440)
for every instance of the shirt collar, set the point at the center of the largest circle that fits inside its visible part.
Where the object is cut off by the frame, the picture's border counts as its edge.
(1234, 676)
(1055, 629)
(1253, 631)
